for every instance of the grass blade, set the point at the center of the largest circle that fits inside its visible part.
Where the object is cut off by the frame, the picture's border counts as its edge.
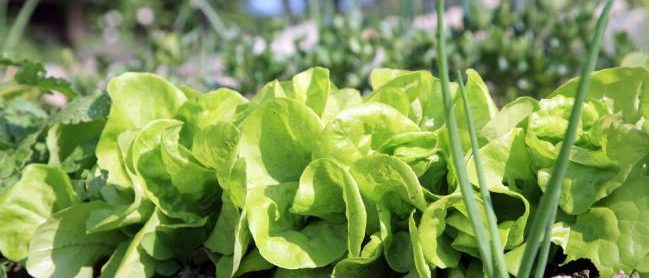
(212, 17)
(3, 16)
(456, 148)
(496, 246)
(18, 26)
(549, 201)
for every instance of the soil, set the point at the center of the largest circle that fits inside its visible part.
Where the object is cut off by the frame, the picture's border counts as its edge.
(581, 268)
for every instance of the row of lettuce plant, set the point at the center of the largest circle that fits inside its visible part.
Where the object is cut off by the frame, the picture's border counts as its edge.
(306, 179)
(309, 179)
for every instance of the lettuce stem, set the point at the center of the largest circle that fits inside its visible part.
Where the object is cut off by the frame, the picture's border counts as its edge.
(456, 149)
(549, 201)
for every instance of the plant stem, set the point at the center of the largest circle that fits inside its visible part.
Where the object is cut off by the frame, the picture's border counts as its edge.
(542, 259)
(456, 148)
(496, 247)
(18, 26)
(547, 207)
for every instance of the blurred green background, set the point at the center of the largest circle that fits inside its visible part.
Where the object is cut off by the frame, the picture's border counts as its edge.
(519, 47)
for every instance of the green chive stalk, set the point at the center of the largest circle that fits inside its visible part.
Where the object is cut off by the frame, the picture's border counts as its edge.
(456, 149)
(542, 260)
(549, 201)
(496, 246)
(18, 26)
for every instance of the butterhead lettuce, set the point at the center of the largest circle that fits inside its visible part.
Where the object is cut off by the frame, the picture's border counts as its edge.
(307, 180)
